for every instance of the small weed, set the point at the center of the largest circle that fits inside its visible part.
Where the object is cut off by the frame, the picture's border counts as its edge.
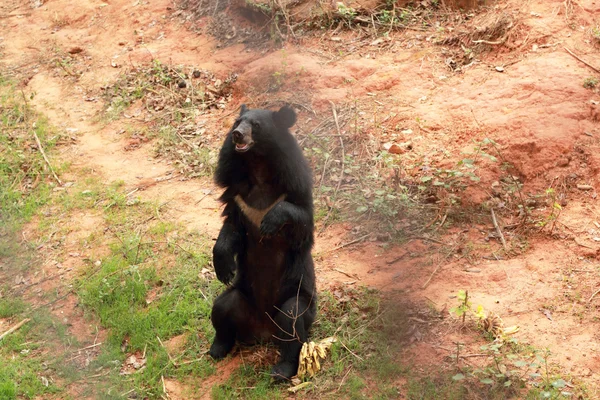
(590, 83)
(595, 33)
(464, 305)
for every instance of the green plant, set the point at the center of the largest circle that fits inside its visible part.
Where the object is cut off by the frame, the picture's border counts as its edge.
(590, 83)
(555, 210)
(347, 13)
(464, 305)
(595, 32)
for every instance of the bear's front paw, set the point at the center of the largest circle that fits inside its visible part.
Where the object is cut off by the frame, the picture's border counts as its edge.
(225, 269)
(268, 227)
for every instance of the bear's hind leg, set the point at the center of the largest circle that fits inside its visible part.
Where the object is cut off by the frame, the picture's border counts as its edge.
(231, 314)
(293, 325)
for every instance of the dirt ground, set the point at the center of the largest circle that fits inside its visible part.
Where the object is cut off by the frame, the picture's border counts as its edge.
(528, 97)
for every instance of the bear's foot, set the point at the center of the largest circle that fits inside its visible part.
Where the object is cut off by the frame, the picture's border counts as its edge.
(284, 371)
(219, 350)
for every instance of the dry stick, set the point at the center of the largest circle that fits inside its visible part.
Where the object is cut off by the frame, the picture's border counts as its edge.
(343, 379)
(586, 63)
(425, 238)
(191, 361)
(594, 295)
(203, 197)
(499, 231)
(14, 328)
(41, 149)
(90, 346)
(162, 378)
(438, 267)
(337, 188)
(345, 244)
(351, 352)
(167, 351)
(347, 274)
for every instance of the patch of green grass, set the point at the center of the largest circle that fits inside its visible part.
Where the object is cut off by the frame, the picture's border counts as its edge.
(32, 358)
(147, 291)
(26, 370)
(25, 180)
(11, 306)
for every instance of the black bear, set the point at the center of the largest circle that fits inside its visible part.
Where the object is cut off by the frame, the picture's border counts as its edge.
(266, 239)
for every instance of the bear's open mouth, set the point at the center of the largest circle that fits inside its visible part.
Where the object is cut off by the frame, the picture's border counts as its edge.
(242, 147)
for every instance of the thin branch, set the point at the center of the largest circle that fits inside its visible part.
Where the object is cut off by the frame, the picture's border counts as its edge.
(499, 231)
(14, 328)
(351, 352)
(90, 346)
(341, 177)
(344, 245)
(41, 149)
(585, 62)
(593, 295)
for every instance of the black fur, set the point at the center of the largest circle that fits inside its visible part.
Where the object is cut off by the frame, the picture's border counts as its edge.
(273, 291)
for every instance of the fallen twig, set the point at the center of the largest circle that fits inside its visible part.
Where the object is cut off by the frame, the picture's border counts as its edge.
(39, 144)
(499, 231)
(585, 62)
(90, 346)
(351, 352)
(593, 295)
(345, 244)
(203, 197)
(344, 378)
(191, 361)
(428, 239)
(395, 260)
(168, 355)
(583, 244)
(431, 276)
(337, 188)
(14, 328)
(347, 274)
(41, 149)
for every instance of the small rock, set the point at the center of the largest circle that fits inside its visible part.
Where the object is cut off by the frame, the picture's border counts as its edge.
(393, 148)
(181, 84)
(196, 74)
(562, 162)
(75, 50)
(585, 187)
(500, 69)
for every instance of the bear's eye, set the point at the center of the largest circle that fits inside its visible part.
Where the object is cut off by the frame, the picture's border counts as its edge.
(255, 124)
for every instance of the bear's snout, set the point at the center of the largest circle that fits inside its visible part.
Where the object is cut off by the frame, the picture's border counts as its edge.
(238, 136)
(242, 137)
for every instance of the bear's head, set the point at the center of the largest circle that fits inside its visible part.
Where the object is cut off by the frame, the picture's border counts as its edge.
(258, 129)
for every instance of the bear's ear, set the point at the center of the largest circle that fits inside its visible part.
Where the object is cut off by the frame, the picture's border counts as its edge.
(285, 117)
(243, 109)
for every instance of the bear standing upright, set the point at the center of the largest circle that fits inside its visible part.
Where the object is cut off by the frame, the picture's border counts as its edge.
(266, 238)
